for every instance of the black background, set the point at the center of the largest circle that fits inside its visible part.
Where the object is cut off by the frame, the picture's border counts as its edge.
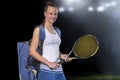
(19, 18)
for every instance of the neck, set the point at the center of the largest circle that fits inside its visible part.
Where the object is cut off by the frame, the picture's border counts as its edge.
(48, 25)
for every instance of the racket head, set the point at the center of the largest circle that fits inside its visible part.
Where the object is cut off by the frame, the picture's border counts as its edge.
(86, 46)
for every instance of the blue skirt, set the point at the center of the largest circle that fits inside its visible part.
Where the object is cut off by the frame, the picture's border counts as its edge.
(50, 75)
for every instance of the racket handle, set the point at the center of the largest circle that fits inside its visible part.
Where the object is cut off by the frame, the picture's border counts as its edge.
(65, 60)
(61, 61)
(75, 58)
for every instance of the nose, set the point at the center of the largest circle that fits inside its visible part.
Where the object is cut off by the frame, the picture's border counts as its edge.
(53, 15)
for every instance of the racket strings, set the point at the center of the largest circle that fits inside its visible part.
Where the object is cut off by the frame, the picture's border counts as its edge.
(85, 46)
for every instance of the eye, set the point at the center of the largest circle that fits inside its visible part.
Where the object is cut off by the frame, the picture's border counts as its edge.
(55, 14)
(50, 13)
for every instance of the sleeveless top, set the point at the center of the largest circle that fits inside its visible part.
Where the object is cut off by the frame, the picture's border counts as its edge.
(51, 50)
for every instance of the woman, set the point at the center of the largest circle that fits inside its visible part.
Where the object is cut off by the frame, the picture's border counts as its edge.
(50, 69)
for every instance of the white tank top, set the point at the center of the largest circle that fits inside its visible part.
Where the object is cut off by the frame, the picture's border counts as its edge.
(51, 50)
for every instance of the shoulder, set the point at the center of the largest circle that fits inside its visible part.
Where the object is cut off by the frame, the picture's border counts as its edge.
(36, 29)
(58, 30)
(56, 27)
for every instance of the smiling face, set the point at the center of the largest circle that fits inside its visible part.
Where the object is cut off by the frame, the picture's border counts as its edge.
(51, 14)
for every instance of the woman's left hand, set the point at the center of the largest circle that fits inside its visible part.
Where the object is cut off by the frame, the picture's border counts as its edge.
(65, 57)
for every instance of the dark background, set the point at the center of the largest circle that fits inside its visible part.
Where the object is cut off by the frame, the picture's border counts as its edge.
(20, 17)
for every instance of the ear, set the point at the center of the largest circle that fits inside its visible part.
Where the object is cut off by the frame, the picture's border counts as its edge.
(45, 14)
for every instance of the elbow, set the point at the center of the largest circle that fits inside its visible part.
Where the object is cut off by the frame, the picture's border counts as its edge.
(31, 51)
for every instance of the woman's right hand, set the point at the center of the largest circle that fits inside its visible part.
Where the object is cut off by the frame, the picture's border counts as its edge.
(53, 65)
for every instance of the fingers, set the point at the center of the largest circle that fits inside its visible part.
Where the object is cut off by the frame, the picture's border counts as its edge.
(64, 56)
(68, 59)
(53, 65)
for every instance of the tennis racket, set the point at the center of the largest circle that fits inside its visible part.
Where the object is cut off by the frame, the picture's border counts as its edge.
(84, 47)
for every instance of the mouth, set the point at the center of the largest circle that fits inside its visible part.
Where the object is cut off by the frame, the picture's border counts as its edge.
(52, 19)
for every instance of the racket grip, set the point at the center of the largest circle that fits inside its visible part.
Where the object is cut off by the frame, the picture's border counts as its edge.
(61, 61)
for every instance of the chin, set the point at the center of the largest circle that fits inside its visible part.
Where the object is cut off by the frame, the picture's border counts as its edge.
(52, 21)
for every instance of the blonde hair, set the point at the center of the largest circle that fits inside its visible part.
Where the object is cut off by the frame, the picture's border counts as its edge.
(49, 3)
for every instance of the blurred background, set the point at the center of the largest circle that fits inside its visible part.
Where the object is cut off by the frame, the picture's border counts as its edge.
(76, 18)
